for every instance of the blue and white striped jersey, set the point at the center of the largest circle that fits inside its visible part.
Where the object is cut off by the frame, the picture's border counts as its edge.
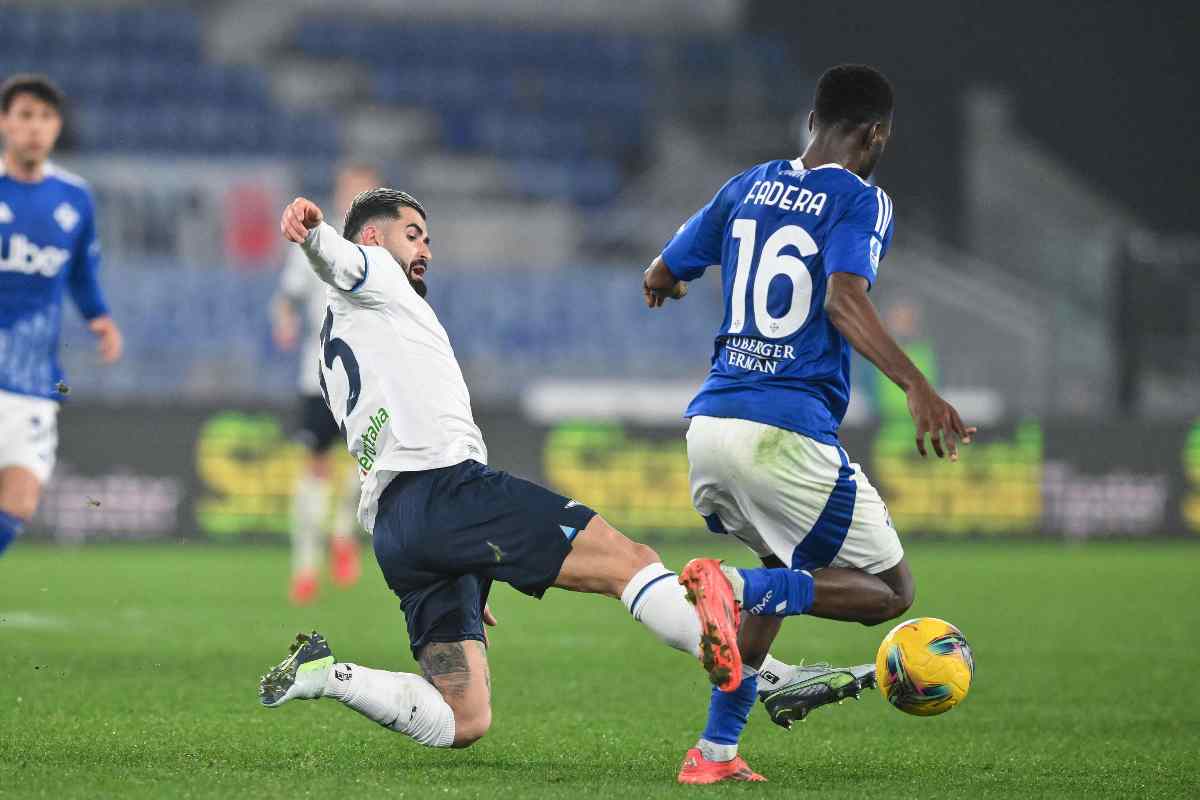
(48, 243)
(778, 231)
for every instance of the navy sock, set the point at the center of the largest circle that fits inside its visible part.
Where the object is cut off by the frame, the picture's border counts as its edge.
(10, 526)
(777, 592)
(729, 711)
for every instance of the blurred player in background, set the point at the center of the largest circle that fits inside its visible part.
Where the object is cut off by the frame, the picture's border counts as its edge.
(297, 311)
(48, 243)
(444, 524)
(765, 462)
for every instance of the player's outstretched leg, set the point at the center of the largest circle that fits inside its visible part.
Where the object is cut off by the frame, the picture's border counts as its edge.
(604, 561)
(400, 701)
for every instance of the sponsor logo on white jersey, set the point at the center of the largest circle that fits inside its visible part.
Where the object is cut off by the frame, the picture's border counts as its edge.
(25, 256)
(6, 215)
(66, 216)
(368, 443)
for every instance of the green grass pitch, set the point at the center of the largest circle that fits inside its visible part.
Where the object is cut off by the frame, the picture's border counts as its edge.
(131, 671)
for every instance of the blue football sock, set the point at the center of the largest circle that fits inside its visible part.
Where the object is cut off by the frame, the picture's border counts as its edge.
(778, 592)
(729, 711)
(10, 526)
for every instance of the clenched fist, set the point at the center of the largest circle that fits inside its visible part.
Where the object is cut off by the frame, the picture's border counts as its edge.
(300, 217)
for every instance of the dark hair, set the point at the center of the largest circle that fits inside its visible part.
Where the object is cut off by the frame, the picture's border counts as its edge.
(377, 203)
(39, 86)
(850, 95)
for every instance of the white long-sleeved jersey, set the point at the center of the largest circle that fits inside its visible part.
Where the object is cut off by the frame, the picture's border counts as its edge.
(307, 294)
(387, 369)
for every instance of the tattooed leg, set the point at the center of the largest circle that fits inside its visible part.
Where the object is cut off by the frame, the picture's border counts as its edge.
(459, 670)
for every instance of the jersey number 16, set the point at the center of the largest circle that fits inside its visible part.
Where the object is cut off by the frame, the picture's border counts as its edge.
(771, 263)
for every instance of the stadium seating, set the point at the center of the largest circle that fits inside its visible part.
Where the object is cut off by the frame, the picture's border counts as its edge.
(138, 82)
(506, 93)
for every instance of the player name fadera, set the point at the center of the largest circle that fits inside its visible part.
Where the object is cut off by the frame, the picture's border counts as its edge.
(756, 355)
(776, 193)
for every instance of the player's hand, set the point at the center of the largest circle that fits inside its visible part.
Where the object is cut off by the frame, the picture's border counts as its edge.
(300, 217)
(659, 285)
(936, 418)
(489, 621)
(109, 341)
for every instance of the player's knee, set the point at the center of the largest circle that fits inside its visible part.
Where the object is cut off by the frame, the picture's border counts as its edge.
(21, 505)
(470, 726)
(642, 555)
(891, 603)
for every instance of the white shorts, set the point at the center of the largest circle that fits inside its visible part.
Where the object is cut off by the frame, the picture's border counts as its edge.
(28, 433)
(787, 495)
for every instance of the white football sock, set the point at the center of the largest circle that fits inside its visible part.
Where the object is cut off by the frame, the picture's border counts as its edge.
(400, 701)
(656, 599)
(309, 502)
(345, 513)
(773, 673)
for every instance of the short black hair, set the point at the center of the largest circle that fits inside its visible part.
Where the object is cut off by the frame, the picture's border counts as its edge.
(850, 95)
(37, 85)
(381, 202)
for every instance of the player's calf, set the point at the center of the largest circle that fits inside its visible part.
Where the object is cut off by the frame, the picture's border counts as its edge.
(604, 561)
(853, 595)
(459, 671)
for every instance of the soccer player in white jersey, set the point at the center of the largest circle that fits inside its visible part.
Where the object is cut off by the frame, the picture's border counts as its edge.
(799, 244)
(48, 245)
(297, 311)
(444, 525)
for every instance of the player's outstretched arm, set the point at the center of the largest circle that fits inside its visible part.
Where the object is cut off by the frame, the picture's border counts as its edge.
(853, 313)
(659, 285)
(336, 261)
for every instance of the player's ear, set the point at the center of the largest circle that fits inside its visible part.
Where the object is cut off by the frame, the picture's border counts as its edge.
(369, 235)
(871, 134)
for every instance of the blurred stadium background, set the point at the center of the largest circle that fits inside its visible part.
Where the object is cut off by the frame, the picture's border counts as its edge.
(1044, 271)
(1045, 267)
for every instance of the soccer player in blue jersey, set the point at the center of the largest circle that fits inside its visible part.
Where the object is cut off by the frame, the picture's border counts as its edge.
(48, 244)
(799, 244)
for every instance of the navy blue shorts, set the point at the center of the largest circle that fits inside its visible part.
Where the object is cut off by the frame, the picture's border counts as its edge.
(443, 535)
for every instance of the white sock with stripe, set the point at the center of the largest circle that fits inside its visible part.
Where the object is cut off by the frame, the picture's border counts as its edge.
(773, 673)
(655, 599)
(400, 701)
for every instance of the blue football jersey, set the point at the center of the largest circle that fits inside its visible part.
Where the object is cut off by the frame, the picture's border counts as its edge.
(47, 243)
(778, 231)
